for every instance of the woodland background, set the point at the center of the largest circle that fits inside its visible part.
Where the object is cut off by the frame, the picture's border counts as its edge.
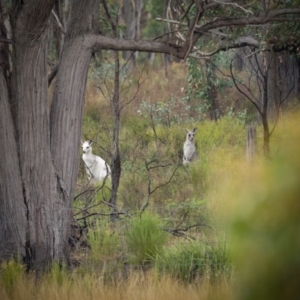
(224, 227)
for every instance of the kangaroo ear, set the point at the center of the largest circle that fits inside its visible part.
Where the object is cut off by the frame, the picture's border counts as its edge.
(90, 142)
(195, 129)
(82, 141)
(186, 130)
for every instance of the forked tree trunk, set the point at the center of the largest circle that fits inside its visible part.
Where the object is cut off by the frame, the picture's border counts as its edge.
(41, 145)
(38, 174)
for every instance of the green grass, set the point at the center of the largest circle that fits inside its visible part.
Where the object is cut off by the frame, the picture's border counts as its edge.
(236, 202)
(189, 260)
(145, 238)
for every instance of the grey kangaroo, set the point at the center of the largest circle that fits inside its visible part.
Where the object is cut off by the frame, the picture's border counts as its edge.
(189, 149)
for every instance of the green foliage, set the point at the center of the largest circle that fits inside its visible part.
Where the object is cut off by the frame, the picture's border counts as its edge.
(191, 259)
(145, 238)
(265, 224)
(187, 213)
(58, 274)
(104, 242)
(153, 9)
(104, 24)
(202, 83)
(227, 133)
(11, 272)
(167, 113)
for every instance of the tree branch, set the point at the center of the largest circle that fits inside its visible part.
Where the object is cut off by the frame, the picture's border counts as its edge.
(56, 18)
(235, 5)
(271, 16)
(182, 231)
(238, 43)
(242, 92)
(189, 39)
(151, 191)
(99, 42)
(5, 40)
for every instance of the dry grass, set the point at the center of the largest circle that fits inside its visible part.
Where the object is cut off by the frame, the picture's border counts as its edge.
(139, 286)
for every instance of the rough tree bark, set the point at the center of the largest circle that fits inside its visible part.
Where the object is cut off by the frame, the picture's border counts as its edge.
(42, 167)
(30, 110)
(116, 160)
(12, 211)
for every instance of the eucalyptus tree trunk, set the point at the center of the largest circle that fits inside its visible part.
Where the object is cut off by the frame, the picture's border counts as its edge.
(67, 104)
(265, 104)
(40, 165)
(116, 160)
(34, 174)
(132, 11)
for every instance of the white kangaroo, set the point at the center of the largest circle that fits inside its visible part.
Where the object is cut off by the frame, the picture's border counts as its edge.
(96, 168)
(189, 148)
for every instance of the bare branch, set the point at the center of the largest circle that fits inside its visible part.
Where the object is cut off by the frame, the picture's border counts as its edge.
(226, 45)
(56, 18)
(116, 209)
(5, 40)
(189, 39)
(151, 191)
(186, 25)
(181, 232)
(97, 42)
(244, 21)
(242, 92)
(235, 5)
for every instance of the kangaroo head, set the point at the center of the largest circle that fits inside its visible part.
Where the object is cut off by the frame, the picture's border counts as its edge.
(87, 146)
(190, 134)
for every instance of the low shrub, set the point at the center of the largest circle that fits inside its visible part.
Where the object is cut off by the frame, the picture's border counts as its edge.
(145, 238)
(188, 260)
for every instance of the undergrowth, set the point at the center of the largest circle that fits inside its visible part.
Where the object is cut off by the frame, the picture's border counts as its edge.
(174, 235)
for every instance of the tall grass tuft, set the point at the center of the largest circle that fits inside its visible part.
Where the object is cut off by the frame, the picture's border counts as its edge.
(191, 260)
(58, 273)
(145, 238)
(105, 256)
(11, 274)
